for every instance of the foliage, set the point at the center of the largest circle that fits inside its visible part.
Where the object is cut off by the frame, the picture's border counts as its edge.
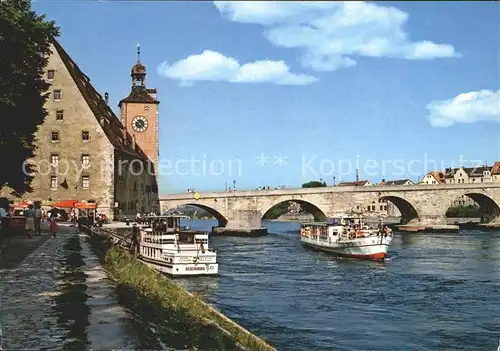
(25, 39)
(276, 211)
(181, 320)
(470, 211)
(314, 184)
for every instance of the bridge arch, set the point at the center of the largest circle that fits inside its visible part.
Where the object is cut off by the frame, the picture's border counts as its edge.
(221, 219)
(318, 214)
(408, 211)
(488, 207)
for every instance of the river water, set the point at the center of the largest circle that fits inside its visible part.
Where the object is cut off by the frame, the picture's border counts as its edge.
(435, 292)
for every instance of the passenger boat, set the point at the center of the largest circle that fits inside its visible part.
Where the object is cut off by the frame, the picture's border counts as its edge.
(173, 250)
(347, 236)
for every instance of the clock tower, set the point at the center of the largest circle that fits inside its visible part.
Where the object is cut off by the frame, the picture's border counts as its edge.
(139, 112)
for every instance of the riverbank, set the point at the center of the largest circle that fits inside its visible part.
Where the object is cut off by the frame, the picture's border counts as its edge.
(165, 313)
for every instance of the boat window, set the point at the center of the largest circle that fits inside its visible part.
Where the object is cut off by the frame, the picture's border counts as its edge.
(186, 238)
(171, 222)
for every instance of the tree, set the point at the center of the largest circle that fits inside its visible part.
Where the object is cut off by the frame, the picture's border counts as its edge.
(314, 184)
(25, 39)
(276, 211)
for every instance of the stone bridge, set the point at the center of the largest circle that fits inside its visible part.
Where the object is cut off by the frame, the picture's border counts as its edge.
(418, 204)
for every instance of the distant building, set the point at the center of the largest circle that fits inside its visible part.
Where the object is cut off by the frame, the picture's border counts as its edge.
(468, 175)
(294, 207)
(85, 153)
(495, 172)
(359, 183)
(434, 177)
(397, 182)
(464, 201)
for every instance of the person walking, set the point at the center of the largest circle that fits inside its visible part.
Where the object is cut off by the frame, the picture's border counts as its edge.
(53, 225)
(29, 226)
(37, 217)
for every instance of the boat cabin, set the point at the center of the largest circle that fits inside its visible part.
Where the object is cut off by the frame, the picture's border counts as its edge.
(343, 228)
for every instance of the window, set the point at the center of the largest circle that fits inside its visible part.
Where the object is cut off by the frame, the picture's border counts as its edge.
(54, 183)
(85, 161)
(55, 136)
(59, 115)
(85, 182)
(57, 95)
(50, 74)
(85, 135)
(54, 160)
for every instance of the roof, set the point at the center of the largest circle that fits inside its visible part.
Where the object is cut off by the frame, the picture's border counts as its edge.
(110, 124)
(439, 176)
(140, 94)
(496, 168)
(360, 183)
(470, 171)
(397, 182)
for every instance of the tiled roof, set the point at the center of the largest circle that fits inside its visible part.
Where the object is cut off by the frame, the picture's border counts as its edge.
(360, 183)
(140, 94)
(495, 169)
(470, 171)
(110, 124)
(439, 176)
(397, 182)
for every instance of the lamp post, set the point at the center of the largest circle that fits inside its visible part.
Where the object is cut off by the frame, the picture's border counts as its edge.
(225, 186)
(333, 180)
(234, 184)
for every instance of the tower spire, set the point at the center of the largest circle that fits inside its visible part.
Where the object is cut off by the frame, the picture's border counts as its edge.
(138, 52)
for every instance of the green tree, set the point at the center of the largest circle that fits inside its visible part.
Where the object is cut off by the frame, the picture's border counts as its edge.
(25, 39)
(314, 184)
(276, 211)
(470, 211)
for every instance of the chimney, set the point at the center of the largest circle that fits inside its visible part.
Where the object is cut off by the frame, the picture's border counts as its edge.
(106, 98)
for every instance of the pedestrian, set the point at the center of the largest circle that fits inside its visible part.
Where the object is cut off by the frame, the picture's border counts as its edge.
(29, 226)
(53, 226)
(38, 219)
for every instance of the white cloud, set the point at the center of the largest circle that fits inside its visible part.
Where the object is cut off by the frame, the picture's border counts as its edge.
(483, 105)
(329, 34)
(213, 66)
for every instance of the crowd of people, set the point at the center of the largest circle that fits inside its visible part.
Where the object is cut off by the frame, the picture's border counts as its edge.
(34, 219)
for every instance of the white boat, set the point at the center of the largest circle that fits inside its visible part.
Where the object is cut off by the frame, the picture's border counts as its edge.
(173, 250)
(347, 236)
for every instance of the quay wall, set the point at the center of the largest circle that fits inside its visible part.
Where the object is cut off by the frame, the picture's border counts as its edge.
(181, 319)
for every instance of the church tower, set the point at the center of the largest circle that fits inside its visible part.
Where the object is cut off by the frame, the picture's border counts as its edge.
(139, 112)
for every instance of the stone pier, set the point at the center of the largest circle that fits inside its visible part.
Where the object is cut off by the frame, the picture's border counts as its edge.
(242, 223)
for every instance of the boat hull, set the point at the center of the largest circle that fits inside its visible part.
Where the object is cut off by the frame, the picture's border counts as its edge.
(183, 269)
(364, 250)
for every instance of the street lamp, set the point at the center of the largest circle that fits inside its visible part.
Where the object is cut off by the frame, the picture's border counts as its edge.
(225, 186)
(334, 181)
(234, 184)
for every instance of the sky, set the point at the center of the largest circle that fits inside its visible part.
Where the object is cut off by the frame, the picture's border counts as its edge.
(280, 93)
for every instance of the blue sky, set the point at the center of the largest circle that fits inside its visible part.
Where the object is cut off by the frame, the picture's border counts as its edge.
(322, 84)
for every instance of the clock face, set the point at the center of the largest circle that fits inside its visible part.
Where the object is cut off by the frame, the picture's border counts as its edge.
(140, 124)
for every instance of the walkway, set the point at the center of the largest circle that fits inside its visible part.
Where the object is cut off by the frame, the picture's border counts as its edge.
(59, 297)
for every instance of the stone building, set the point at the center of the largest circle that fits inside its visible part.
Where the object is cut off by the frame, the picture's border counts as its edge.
(85, 153)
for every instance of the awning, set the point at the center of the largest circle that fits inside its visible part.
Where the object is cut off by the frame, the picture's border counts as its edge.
(22, 204)
(64, 203)
(85, 205)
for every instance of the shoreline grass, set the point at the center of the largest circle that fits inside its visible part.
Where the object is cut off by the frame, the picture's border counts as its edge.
(165, 314)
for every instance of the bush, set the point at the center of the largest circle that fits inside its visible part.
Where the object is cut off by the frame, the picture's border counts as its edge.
(180, 319)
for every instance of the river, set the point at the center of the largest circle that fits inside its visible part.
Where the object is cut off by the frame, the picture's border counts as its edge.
(436, 291)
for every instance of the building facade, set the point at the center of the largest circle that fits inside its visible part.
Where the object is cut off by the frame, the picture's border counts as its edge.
(84, 152)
